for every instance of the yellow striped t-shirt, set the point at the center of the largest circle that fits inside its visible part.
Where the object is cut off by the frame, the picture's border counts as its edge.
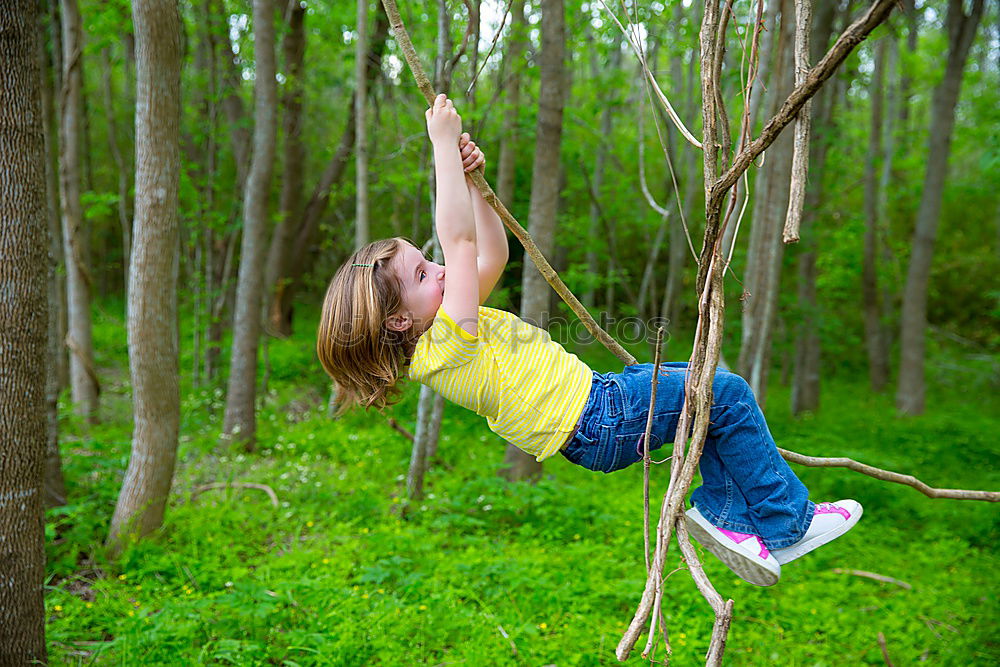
(529, 388)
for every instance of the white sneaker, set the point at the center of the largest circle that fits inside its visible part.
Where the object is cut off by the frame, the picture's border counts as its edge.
(830, 521)
(743, 553)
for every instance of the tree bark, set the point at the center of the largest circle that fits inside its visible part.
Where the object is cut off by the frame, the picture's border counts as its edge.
(152, 293)
(240, 422)
(961, 31)
(294, 159)
(55, 485)
(876, 342)
(24, 312)
(544, 190)
(79, 337)
(763, 272)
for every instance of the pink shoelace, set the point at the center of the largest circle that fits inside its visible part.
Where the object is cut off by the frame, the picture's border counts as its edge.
(830, 508)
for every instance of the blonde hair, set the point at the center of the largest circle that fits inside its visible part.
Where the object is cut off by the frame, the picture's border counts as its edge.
(357, 350)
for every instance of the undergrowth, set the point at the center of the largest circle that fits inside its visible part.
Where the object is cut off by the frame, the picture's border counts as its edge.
(344, 571)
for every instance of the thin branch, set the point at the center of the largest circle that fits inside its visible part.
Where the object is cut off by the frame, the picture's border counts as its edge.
(493, 45)
(800, 150)
(550, 275)
(874, 576)
(637, 48)
(851, 37)
(465, 40)
(238, 485)
(654, 382)
(888, 476)
(670, 167)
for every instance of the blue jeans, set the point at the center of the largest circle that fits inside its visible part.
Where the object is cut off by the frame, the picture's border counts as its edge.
(746, 485)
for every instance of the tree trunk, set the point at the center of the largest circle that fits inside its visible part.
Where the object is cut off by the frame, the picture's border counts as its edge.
(79, 337)
(806, 376)
(240, 422)
(594, 237)
(24, 269)
(303, 252)
(544, 191)
(361, 226)
(763, 272)
(475, 20)
(961, 30)
(55, 485)
(152, 293)
(875, 337)
(124, 215)
(51, 84)
(294, 159)
(512, 63)
(765, 60)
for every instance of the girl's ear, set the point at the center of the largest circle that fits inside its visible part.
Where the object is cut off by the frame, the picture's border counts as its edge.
(398, 322)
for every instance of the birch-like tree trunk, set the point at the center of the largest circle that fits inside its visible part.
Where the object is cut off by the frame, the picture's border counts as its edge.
(961, 29)
(152, 293)
(763, 272)
(240, 421)
(24, 269)
(278, 257)
(876, 340)
(79, 336)
(362, 232)
(535, 294)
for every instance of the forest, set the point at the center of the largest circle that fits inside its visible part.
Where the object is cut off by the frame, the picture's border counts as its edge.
(805, 193)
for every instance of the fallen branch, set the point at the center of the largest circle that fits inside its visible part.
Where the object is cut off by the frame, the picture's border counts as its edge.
(396, 426)
(885, 649)
(888, 476)
(874, 576)
(240, 485)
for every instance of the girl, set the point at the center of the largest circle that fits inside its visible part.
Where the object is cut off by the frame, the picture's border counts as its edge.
(389, 310)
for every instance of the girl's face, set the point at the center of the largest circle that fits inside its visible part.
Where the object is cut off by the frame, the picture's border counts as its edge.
(423, 288)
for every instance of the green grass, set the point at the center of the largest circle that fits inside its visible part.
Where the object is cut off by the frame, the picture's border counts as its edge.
(485, 572)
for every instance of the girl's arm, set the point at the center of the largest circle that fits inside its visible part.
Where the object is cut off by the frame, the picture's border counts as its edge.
(491, 238)
(456, 226)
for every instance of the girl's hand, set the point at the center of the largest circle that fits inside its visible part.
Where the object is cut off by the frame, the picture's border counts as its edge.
(443, 122)
(472, 155)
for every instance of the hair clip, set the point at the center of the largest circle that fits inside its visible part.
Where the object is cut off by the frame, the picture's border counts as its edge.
(362, 265)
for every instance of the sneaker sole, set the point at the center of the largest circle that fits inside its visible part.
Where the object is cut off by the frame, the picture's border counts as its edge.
(789, 554)
(745, 568)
